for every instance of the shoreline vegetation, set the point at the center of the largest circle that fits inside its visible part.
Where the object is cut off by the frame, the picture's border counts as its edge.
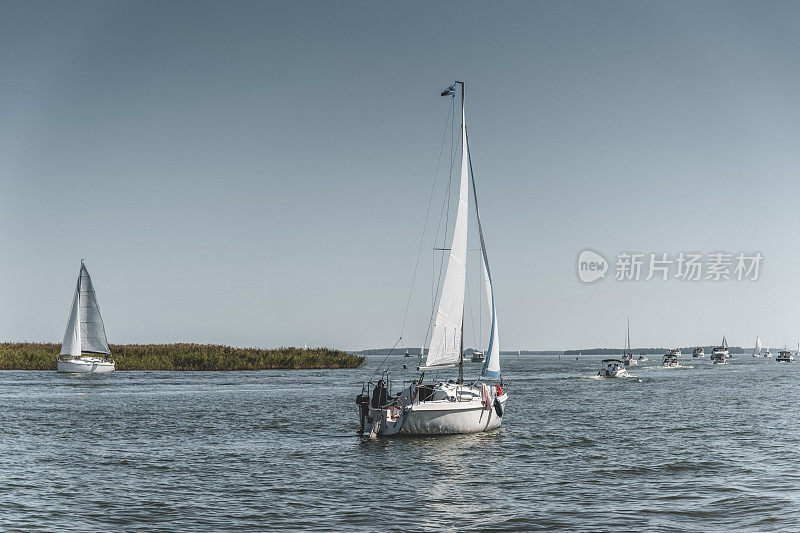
(184, 356)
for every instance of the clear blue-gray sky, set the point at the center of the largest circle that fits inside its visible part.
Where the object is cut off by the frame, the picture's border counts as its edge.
(258, 173)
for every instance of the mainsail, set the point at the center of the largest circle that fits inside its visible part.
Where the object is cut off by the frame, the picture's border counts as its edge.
(85, 331)
(445, 347)
(757, 350)
(724, 343)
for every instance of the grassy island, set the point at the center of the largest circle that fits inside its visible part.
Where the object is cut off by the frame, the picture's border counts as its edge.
(183, 356)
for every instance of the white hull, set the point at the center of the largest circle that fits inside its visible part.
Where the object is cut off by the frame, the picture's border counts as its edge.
(462, 410)
(431, 419)
(86, 365)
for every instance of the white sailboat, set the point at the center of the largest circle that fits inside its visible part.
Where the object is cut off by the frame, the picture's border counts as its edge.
(438, 407)
(627, 353)
(720, 352)
(757, 349)
(85, 347)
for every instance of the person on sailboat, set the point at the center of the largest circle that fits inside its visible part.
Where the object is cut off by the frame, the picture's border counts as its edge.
(379, 395)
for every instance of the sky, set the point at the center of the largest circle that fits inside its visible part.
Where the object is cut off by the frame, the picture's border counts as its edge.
(258, 174)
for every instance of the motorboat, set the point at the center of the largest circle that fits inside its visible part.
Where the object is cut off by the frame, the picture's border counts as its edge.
(784, 356)
(698, 352)
(676, 352)
(477, 357)
(84, 349)
(643, 357)
(670, 359)
(615, 368)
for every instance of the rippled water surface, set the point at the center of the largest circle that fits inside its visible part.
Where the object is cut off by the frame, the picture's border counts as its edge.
(703, 448)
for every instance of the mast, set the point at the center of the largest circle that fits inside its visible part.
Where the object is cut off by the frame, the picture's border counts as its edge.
(463, 149)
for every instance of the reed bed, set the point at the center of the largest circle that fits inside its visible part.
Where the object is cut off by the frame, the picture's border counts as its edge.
(183, 356)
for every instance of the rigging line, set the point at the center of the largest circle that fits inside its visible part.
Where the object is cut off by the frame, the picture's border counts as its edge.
(424, 227)
(380, 366)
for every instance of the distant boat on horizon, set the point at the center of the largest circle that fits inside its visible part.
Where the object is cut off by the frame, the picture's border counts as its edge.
(84, 349)
(627, 353)
(757, 349)
(720, 352)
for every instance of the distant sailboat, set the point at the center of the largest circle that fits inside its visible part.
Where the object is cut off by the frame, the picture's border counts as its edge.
(757, 349)
(85, 347)
(720, 353)
(434, 406)
(627, 353)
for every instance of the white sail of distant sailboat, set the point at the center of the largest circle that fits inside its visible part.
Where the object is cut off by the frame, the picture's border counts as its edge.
(85, 333)
(437, 406)
(757, 350)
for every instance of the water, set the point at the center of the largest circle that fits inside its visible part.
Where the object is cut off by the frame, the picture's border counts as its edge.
(706, 448)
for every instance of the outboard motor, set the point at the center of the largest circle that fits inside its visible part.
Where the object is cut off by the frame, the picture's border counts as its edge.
(362, 400)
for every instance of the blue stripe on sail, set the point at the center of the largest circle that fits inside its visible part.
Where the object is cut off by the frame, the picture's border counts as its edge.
(486, 372)
(491, 374)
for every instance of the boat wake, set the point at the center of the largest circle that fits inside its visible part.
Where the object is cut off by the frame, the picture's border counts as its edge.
(599, 376)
